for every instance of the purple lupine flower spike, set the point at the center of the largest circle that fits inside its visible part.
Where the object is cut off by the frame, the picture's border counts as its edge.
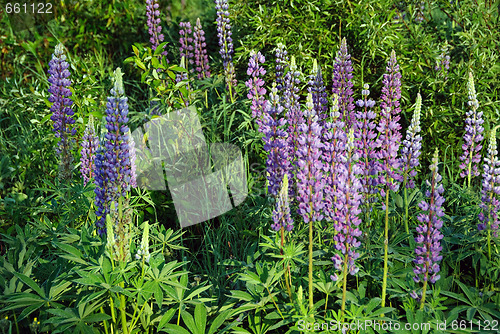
(255, 85)
(186, 43)
(442, 65)
(342, 84)
(473, 135)
(90, 144)
(310, 181)
(429, 235)
(225, 41)
(347, 205)
(117, 151)
(154, 26)
(275, 141)
(334, 141)
(410, 151)
(200, 52)
(318, 91)
(364, 126)
(281, 214)
(281, 66)
(62, 113)
(389, 128)
(490, 192)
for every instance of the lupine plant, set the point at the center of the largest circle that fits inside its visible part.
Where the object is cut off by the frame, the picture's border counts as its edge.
(490, 204)
(310, 182)
(154, 27)
(62, 112)
(255, 85)
(200, 51)
(473, 137)
(186, 48)
(342, 83)
(388, 143)
(429, 234)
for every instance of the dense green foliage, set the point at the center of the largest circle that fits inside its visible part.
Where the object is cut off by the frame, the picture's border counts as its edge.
(228, 274)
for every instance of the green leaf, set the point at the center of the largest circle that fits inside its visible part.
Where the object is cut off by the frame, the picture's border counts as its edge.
(174, 329)
(29, 282)
(98, 317)
(166, 318)
(200, 317)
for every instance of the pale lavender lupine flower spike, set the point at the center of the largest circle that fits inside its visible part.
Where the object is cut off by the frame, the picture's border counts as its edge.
(347, 205)
(429, 235)
(90, 144)
(473, 135)
(186, 43)
(389, 128)
(318, 91)
(310, 181)
(490, 192)
(342, 84)
(412, 146)
(281, 66)
(154, 26)
(255, 85)
(62, 113)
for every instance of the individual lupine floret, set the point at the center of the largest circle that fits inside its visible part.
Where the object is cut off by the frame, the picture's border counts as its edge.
(342, 84)
(225, 43)
(200, 52)
(186, 43)
(118, 167)
(473, 135)
(334, 141)
(154, 26)
(275, 142)
(389, 129)
(62, 113)
(490, 192)
(294, 114)
(281, 65)
(318, 91)
(255, 85)
(365, 143)
(281, 214)
(410, 151)
(143, 251)
(90, 144)
(429, 235)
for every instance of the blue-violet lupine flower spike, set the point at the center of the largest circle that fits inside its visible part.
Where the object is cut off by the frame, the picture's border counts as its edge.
(275, 142)
(281, 214)
(281, 66)
(225, 41)
(62, 113)
(490, 204)
(90, 144)
(334, 141)
(117, 151)
(200, 52)
(473, 135)
(365, 135)
(294, 115)
(310, 181)
(389, 129)
(410, 151)
(342, 84)
(429, 246)
(318, 91)
(186, 43)
(255, 85)
(347, 205)
(154, 26)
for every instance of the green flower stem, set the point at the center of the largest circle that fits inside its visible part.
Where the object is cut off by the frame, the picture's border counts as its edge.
(105, 322)
(123, 313)
(407, 229)
(311, 301)
(287, 269)
(134, 319)
(386, 246)
(424, 290)
(344, 286)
